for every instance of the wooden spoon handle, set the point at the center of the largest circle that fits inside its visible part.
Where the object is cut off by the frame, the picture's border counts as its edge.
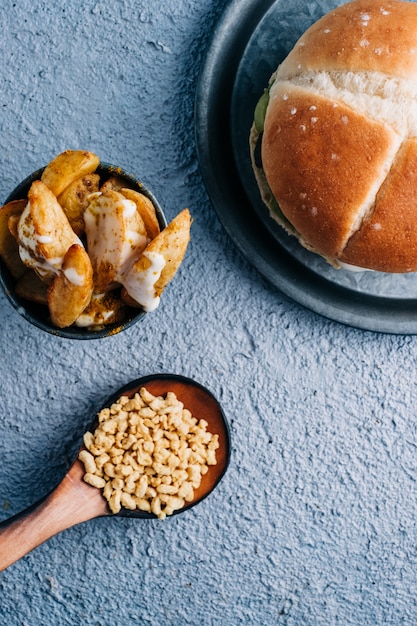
(72, 502)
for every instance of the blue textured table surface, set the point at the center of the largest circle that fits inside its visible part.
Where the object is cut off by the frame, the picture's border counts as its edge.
(314, 523)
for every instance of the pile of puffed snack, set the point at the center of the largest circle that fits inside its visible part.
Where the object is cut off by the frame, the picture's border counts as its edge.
(148, 453)
(89, 248)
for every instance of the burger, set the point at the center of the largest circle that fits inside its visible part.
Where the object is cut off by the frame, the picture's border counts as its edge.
(334, 138)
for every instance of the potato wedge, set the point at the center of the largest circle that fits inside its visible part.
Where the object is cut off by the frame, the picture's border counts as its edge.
(9, 250)
(172, 244)
(67, 167)
(44, 232)
(116, 235)
(74, 199)
(31, 287)
(70, 292)
(158, 263)
(145, 209)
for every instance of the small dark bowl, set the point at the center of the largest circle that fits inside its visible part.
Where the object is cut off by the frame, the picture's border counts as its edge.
(38, 315)
(202, 404)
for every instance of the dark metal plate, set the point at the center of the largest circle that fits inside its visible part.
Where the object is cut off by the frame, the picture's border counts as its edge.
(250, 40)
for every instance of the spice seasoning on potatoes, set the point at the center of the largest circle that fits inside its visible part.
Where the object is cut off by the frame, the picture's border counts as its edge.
(148, 453)
(115, 231)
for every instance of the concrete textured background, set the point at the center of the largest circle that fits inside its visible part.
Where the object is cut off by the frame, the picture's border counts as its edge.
(314, 524)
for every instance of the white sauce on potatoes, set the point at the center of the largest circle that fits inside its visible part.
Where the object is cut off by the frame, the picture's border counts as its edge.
(29, 246)
(44, 239)
(141, 285)
(90, 320)
(110, 233)
(129, 208)
(73, 276)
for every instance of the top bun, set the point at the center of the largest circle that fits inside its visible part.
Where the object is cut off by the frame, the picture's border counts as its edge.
(339, 139)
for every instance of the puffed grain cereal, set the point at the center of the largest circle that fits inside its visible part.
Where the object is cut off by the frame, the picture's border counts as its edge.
(148, 453)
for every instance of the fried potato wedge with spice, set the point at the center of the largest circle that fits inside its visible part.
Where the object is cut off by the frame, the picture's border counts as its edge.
(158, 264)
(31, 287)
(9, 250)
(116, 235)
(172, 244)
(145, 209)
(70, 291)
(44, 232)
(67, 167)
(74, 199)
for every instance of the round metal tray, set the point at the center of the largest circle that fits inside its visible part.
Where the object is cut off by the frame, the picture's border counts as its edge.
(250, 40)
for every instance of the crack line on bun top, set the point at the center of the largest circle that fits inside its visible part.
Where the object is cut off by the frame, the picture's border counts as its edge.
(87, 245)
(334, 138)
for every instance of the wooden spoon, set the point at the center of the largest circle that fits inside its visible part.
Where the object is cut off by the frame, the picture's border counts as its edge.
(74, 501)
